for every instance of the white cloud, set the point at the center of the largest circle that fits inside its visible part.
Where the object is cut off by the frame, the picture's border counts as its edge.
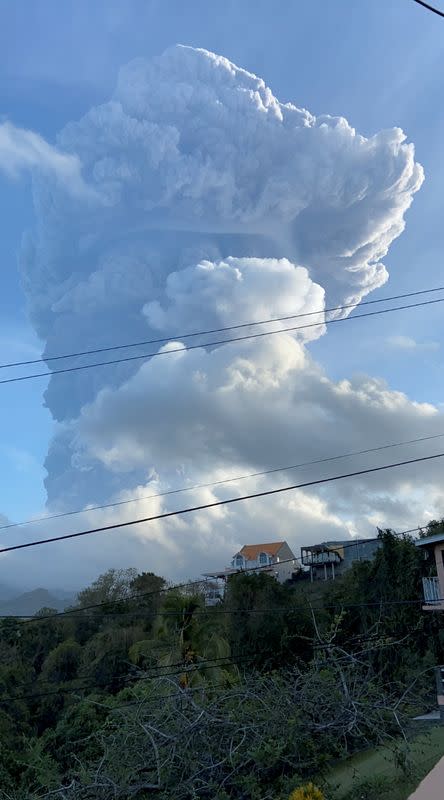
(195, 159)
(218, 205)
(22, 149)
(224, 293)
(401, 342)
(200, 416)
(259, 404)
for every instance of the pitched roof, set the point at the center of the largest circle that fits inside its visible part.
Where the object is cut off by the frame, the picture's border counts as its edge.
(425, 540)
(251, 551)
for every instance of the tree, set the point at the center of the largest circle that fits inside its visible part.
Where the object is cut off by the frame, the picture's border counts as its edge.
(62, 663)
(147, 582)
(113, 585)
(253, 740)
(432, 528)
(381, 602)
(105, 657)
(186, 633)
(260, 621)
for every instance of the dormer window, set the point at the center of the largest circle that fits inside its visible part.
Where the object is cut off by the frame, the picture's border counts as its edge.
(263, 558)
(239, 561)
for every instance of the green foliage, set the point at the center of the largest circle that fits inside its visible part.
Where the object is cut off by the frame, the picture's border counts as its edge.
(73, 737)
(145, 583)
(62, 663)
(254, 728)
(393, 580)
(261, 621)
(105, 657)
(39, 770)
(373, 789)
(186, 634)
(432, 528)
(112, 586)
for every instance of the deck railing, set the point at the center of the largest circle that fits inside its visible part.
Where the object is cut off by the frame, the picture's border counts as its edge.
(432, 592)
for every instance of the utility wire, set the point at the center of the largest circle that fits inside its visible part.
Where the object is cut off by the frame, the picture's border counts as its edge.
(185, 669)
(214, 343)
(430, 8)
(198, 583)
(184, 692)
(215, 504)
(180, 336)
(214, 611)
(221, 482)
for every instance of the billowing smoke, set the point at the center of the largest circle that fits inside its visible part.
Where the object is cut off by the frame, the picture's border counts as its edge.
(22, 149)
(210, 203)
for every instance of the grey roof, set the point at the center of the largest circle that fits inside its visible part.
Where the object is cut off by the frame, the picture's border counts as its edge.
(425, 540)
(342, 543)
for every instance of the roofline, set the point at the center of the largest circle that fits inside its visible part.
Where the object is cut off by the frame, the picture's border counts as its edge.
(342, 543)
(221, 573)
(263, 544)
(425, 540)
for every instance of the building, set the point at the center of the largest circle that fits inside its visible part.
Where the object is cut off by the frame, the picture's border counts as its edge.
(274, 558)
(329, 560)
(213, 592)
(433, 592)
(433, 587)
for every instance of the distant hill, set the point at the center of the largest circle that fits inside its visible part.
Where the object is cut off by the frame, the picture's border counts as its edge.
(6, 592)
(28, 603)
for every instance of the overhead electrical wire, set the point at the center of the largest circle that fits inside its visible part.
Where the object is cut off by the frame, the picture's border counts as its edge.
(175, 336)
(218, 503)
(221, 482)
(185, 669)
(198, 583)
(209, 610)
(430, 8)
(214, 343)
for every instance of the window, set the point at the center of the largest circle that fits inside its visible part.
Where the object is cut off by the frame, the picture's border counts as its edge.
(263, 558)
(239, 561)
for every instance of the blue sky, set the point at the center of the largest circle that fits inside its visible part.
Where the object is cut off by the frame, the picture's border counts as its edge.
(377, 63)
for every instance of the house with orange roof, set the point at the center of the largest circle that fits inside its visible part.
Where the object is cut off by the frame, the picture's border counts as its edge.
(274, 558)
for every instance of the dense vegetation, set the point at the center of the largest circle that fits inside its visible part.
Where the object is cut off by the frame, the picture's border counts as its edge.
(143, 692)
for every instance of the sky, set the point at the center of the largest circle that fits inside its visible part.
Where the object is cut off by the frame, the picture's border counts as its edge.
(149, 189)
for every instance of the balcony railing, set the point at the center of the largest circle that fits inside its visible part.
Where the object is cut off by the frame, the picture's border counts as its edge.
(314, 558)
(432, 592)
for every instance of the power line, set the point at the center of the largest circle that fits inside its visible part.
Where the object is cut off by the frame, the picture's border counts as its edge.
(210, 611)
(128, 598)
(143, 595)
(180, 336)
(429, 7)
(214, 343)
(185, 669)
(214, 611)
(221, 482)
(183, 692)
(217, 503)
